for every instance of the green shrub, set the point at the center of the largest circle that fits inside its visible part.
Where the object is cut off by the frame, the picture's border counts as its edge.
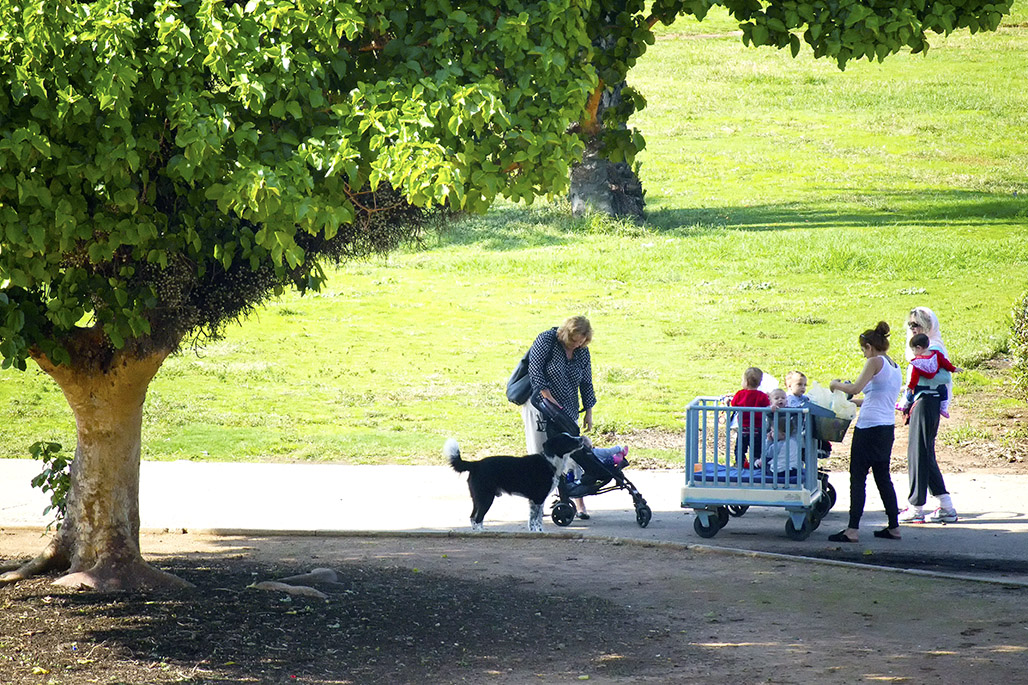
(54, 478)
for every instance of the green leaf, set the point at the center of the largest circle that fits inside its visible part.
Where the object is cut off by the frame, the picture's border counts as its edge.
(759, 34)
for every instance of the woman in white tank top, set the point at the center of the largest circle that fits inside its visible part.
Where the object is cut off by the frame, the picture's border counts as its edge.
(871, 448)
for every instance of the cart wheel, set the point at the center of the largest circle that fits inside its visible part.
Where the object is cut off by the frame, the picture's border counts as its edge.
(706, 531)
(563, 513)
(643, 516)
(801, 533)
(722, 517)
(737, 509)
(815, 521)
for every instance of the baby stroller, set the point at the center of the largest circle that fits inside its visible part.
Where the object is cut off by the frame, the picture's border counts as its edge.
(596, 477)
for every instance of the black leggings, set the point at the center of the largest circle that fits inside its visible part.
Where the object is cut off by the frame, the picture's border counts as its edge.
(871, 450)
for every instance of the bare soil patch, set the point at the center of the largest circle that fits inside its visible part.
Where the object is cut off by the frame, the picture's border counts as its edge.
(507, 610)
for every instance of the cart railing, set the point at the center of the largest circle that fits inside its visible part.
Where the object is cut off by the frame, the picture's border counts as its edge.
(715, 432)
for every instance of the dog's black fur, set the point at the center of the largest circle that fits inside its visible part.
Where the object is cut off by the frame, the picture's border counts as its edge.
(533, 476)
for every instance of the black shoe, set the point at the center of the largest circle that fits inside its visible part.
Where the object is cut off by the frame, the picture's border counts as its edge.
(840, 537)
(584, 516)
(888, 535)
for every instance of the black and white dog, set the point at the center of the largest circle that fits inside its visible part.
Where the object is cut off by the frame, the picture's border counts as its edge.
(533, 476)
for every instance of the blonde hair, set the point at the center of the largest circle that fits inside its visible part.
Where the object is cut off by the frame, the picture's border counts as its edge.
(752, 377)
(792, 376)
(575, 326)
(922, 317)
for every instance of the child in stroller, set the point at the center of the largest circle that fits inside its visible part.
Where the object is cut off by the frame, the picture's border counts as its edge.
(599, 466)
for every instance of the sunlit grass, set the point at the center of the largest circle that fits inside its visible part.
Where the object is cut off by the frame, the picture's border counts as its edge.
(790, 206)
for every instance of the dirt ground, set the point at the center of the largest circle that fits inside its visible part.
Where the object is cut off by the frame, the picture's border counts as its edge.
(508, 610)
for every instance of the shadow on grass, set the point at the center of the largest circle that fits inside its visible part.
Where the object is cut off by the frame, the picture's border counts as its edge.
(857, 208)
(511, 227)
(516, 227)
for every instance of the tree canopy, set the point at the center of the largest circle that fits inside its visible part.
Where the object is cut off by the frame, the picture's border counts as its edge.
(155, 153)
(840, 30)
(164, 164)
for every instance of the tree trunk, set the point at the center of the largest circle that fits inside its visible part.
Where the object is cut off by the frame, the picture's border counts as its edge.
(99, 538)
(597, 184)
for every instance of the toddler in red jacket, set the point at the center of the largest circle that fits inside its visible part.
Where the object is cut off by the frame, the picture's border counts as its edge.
(930, 371)
(751, 424)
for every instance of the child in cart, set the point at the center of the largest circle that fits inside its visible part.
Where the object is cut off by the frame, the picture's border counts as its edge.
(796, 382)
(750, 396)
(782, 453)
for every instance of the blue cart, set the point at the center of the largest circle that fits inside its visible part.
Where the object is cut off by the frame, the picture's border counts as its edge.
(723, 477)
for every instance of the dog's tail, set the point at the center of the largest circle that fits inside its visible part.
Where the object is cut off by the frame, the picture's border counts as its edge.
(451, 450)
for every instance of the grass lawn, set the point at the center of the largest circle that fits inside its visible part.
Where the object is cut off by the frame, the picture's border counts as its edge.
(790, 206)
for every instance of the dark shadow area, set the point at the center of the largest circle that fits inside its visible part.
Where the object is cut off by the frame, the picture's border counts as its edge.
(883, 209)
(960, 564)
(510, 228)
(380, 624)
(962, 548)
(543, 225)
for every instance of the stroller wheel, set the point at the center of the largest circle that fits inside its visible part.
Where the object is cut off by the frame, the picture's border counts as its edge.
(737, 509)
(722, 516)
(643, 515)
(563, 513)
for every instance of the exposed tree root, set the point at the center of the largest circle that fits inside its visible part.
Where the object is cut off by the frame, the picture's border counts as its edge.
(104, 576)
(53, 558)
(115, 577)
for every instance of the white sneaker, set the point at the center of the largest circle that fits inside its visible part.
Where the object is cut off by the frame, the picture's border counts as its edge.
(911, 515)
(941, 515)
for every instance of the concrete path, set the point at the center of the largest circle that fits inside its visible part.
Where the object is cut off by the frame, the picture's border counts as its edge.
(990, 541)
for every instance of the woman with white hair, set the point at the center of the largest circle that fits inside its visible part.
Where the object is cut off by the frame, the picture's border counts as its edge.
(928, 406)
(561, 371)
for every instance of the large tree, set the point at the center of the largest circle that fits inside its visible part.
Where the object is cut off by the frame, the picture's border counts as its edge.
(167, 165)
(840, 30)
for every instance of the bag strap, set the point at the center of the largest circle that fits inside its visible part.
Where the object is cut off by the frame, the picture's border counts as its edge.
(553, 349)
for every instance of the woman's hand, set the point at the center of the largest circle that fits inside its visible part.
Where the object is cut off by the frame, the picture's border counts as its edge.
(587, 420)
(547, 395)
